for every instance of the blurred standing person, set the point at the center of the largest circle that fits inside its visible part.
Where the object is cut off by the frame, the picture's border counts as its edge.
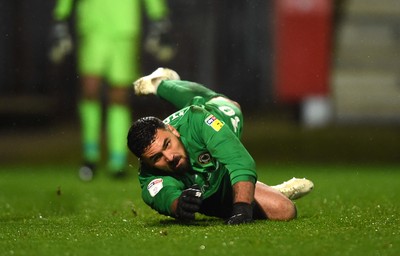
(108, 36)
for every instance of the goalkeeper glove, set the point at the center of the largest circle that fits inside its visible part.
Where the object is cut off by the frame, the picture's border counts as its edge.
(189, 203)
(158, 42)
(60, 42)
(241, 213)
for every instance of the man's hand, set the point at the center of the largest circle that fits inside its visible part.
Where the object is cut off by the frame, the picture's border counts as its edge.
(189, 203)
(241, 213)
(60, 42)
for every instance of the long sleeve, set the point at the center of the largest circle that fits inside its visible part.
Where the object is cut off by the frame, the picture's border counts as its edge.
(62, 9)
(156, 9)
(227, 149)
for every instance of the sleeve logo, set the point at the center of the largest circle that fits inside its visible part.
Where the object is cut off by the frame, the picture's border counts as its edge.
(214, 123)
(155, 186)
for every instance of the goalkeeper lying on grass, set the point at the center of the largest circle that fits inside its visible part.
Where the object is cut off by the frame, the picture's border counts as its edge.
(194, 161)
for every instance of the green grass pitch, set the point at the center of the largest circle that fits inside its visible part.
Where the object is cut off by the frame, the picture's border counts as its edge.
(46, 210)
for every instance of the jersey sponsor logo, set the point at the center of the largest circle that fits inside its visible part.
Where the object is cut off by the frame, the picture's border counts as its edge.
(214, 122)
(155, 186)
(204, 158)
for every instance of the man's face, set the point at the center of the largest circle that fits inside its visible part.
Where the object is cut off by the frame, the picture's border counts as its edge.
(167, 152)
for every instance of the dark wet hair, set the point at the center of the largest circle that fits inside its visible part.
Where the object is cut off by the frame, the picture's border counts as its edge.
(142, 132)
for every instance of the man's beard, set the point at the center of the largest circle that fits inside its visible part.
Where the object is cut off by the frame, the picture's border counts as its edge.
(184, 165)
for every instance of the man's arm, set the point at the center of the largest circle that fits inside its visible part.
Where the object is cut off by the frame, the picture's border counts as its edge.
(60, 37)
(243, 192)
(228, 150)
(161, 192)
(157, 41)
(224, 146)
(62, 9)
(156, 9)
(242, 209)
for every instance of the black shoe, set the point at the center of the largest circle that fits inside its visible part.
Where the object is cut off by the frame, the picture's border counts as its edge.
(87, 171)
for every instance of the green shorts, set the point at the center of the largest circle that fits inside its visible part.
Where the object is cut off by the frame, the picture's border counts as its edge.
(113, 59)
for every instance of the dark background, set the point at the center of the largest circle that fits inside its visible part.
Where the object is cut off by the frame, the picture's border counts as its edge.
(225, 44)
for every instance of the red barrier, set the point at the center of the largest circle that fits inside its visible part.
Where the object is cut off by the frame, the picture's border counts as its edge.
(303, 33)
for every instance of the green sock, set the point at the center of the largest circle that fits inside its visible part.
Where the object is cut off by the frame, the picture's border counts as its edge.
(90, 117)
(118, 122)
(181, 93)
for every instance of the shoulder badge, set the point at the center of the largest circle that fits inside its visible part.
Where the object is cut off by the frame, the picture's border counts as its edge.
(214, 122)
(155, 186)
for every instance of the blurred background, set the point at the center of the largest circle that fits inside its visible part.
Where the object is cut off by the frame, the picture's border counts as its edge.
(318, 80)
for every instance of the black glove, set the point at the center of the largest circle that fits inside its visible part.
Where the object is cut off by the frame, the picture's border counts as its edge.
(188, 203)
(241, 213)
(60, 42)
(158, 40)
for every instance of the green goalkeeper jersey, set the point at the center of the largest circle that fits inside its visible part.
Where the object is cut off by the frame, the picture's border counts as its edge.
(210, 132)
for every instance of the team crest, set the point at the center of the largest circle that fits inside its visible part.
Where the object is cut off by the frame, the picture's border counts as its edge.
(204, 158)
(155, 186)
(214, 122)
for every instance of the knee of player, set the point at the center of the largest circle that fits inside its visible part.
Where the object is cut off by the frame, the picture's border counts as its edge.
(282, 210)
(288, 210)
(236, 104)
